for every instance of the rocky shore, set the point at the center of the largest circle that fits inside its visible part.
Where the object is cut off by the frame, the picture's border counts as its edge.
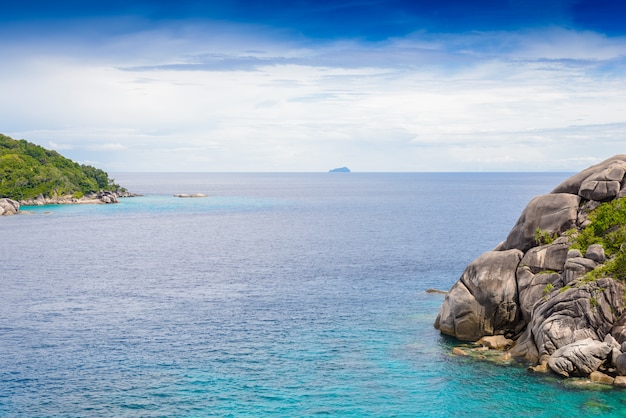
(8, 207)
(548, 294)
(12, 207)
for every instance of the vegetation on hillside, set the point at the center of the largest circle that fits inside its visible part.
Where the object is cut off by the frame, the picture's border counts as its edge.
(608, 228)
(28, 170)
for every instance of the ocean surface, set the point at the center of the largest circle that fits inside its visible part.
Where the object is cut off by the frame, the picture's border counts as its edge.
(277, 295)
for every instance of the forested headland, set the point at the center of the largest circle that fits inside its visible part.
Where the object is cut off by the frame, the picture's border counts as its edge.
(28, 170)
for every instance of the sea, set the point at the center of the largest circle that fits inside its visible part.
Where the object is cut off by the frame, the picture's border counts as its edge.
(278, 294)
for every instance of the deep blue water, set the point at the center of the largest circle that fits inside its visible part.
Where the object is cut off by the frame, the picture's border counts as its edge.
(278, 295)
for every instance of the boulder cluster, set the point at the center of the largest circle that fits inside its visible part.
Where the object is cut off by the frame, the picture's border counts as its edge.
(99, 197)
(11, 207)
(537, 295)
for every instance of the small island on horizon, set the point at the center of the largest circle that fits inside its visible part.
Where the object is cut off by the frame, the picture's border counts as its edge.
(340, 170)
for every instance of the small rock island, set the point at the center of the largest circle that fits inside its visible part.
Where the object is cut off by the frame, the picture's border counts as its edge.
(340, 170)
(554, 291)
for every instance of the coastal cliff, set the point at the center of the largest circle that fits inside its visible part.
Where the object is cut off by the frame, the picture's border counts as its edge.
(554, 291)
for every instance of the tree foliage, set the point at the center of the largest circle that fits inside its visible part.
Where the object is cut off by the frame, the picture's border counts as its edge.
(28, 170)
(607, 228)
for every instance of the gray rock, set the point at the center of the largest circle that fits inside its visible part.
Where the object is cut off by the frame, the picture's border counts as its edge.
(601, 170)
(579, 358)
(616, 349)
(576, 268)
(620, 364)
(484, 300)
(595, 252)
(599, 190)
(605, 183)
(570, 315)
(553, 213)
(533, 288)
(546, 257)
(619, 331)
(574, 254)
(8, 207)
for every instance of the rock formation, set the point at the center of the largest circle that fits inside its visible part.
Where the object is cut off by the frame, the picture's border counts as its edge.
(8, 207)
(538, 291)
(91, 198)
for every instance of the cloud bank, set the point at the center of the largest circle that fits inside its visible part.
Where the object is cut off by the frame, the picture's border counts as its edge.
(207, 95)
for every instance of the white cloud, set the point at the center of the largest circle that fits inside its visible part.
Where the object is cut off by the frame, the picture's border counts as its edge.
(198, 99)
(109, 147)
(55, 146)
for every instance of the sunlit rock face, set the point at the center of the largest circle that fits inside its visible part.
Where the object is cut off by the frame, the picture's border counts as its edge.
(8, 207)
(538, 293)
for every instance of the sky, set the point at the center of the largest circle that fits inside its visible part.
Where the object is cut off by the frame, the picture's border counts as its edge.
(311, 85)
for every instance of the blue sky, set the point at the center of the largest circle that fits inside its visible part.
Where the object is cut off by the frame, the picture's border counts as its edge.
(489, 85)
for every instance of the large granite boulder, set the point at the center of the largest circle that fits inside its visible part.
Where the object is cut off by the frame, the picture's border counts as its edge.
(619, 330)
(538, 273)
(541, 295)
(484, 300)
(606, 172)
(579, 358)
(533, 288)
(8, 207)
(571, 314)
(552, 214)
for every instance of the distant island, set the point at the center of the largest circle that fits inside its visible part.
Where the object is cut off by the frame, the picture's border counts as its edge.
(340, 170)
(33, 175)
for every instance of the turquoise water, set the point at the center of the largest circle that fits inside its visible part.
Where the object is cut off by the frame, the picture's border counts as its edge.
(277, 295)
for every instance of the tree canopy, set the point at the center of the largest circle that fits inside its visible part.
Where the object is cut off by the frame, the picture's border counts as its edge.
(28, 170)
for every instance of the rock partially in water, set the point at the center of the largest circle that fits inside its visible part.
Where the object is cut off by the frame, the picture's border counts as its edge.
(495, 342)
(534, 288)
(576, 313)
(602, 378)
(579, 358)
(9, 207)
(484, 300)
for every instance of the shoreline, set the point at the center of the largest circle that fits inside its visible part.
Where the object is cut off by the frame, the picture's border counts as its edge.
(102, 197)
(10, 207)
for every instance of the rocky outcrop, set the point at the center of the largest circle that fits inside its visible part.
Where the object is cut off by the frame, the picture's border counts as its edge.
(534, 288)
(92, 198)
(579, 358)
(567, 315)
(608, 171)
(484, 300)
(551, 214)
(8, 207)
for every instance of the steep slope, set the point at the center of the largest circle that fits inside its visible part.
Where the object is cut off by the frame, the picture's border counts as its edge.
(28, 170)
